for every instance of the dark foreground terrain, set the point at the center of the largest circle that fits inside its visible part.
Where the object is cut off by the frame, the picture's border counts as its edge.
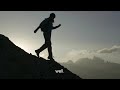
(15, 63)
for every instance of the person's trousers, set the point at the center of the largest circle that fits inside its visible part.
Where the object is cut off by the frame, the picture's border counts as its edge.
(47, 44)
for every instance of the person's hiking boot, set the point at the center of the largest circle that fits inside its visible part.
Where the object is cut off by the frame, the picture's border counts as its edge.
(51, 58)
(37, 53)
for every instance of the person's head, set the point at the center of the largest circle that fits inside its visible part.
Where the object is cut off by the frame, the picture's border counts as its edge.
(52, 15)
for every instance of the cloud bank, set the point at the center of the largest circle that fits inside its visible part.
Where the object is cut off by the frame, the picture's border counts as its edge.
(110, 50)
(108, 54)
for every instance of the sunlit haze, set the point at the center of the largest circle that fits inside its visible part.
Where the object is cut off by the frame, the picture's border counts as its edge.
(82, 33)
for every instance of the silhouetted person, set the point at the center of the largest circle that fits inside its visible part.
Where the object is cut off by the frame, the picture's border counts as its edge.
(47, 27)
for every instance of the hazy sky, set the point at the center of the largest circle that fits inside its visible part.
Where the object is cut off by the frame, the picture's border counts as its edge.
(81, 31)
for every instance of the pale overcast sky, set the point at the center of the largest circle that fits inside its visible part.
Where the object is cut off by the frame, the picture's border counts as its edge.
(80, 30)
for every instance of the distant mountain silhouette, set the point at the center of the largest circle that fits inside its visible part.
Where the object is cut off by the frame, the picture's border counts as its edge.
(15, 63)
(95, 68)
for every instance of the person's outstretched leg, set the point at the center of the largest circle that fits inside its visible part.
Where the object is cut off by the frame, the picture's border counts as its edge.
(44, 46)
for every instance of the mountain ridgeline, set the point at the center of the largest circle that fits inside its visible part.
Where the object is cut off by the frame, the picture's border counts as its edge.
(15, 63)
(95, 68)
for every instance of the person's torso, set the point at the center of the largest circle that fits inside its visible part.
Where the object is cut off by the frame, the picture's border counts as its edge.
(47, 25)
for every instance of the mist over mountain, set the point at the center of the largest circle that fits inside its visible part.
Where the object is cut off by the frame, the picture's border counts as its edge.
(95, 68)
(15, 63)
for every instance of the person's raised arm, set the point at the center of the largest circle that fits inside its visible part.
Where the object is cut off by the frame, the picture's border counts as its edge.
(37, 29)
(57, 26)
